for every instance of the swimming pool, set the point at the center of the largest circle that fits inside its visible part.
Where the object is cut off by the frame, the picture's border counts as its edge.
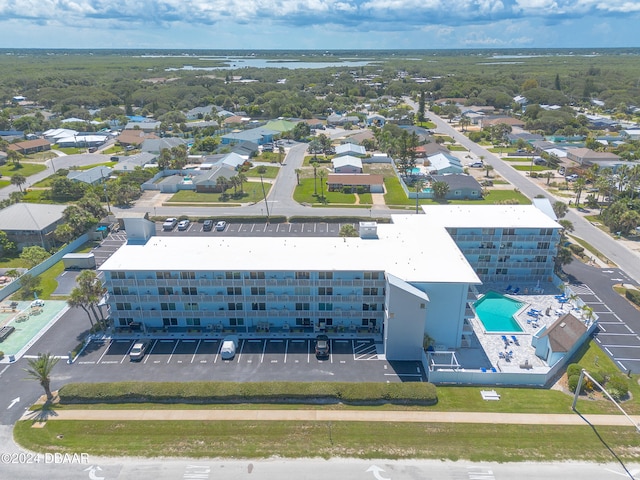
(496, 313)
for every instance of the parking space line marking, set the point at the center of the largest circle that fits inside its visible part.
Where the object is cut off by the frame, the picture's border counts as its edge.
(623, 367)
(105, 351)
(622, 334)
(602, 328)
(286, 350)
(174, 349)
(629, 329)
(264, 347)
(196, 351)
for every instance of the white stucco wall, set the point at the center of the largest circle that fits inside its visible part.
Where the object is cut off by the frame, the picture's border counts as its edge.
(404, 324)
(445, 312)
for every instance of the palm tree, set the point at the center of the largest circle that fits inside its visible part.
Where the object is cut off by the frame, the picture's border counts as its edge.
(298, 172)
(549, 175)
(322, 174)
(348, 230)
(241, 179)
(18, 180)
(440, 189)
(261, 171)
(40, 369)
(578, 187)
(487, 168)
(315, 166)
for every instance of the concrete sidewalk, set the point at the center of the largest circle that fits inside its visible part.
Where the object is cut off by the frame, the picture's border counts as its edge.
(334, 416)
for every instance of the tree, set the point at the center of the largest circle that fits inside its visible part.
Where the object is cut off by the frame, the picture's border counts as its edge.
(29, 286)
(242, 178)
(64, 233)
(40, 370)
(563, 257)
(578, 187)
(301, 131)
(348, 230)
(14, 157)
(315, 166)
(560, 209)
(87, 294)
(34, 255)
(548, 175)
(18, 180)
(440, 189)
(298, 172)
(7, 247)
(322, 174)
(487, 168)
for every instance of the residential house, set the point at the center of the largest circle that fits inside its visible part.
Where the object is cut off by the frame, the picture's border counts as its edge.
(511, 121)
(461, 187)
(350, 149)
(233, 160)
(147, 125)
(156, 145)
(337, 119)
(130, 163)
(199, 113)
(30, 146)
(207, 181)
(259, 136)
(560, 339)
(29, 224)
(444, 162)
(375, 119)
(368, 182)
(133, 138)
(587, 157)
(93, 176)
(347, 164)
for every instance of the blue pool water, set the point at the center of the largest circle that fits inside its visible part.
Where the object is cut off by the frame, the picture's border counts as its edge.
(496, 313)
(415, 171)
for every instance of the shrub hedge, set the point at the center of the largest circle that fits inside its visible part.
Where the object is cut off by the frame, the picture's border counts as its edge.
(416, 393)
(633, 296)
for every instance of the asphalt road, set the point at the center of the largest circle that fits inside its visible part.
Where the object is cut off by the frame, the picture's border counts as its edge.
(617, 252)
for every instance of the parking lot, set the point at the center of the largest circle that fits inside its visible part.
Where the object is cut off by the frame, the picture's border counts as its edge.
(244, 229)
(293, 359)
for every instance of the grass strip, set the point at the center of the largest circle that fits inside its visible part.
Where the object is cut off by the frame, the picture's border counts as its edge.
(244, 439)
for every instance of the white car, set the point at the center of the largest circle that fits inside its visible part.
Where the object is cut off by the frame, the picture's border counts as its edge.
(221, 225)
(37, 303)
(170, 224)
(476, 164)
(228, 349)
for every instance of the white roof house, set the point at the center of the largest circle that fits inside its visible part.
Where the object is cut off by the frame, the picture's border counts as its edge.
(489, 216)
(54, 134)
(445, 163)
(233, 160)
(350, 149)
(347, 164)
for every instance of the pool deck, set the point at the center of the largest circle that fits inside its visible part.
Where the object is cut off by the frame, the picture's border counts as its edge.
(485, 349)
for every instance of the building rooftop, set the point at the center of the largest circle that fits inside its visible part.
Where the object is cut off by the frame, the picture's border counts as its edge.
(30, 216)
(405, 249)
(489, 216)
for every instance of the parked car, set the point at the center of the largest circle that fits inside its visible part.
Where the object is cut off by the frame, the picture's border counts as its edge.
(476, 164)
(183, 225)
(322, 346)
(207, 226)
(37, 303)
(571, 178)
(170, 224)
(228, 348)
(221, 225)
(139, 350)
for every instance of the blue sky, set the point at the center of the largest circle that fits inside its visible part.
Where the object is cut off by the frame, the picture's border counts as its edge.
(319, 24)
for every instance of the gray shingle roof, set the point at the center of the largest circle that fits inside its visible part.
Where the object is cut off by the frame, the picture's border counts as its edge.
(30, 216)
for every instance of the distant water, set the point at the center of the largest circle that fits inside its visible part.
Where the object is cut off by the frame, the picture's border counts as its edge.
(233, 63)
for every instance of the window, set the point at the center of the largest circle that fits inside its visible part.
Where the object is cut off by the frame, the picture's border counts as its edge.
(325, 306)
(369, 322)
(169, 322)
(303, 291)
(482, 271)
(488, 231)
(546, 231)
(232, 275)
(257, 291)
(325, 290)
(509, 231)
(258, 306)
(371, 275)
(165, 290)
(163, 275)
(303, 322)
(370, 306)
(256, 275)
(302, 306)
(188, 275)
(543, 245)
(484, 258)
(487, 245)
(325, 275)
(234, 306)
(236, 322)
(191, 306)
(189, 291)
(370, 291)
(504, 258)
(167, 306)
(123, 322)
(327, 321)
(502, 271)
(123, 306)
(118, 276)
(302, 275)
(541, 259)
(121, 290)
(193, 322)
(234, 291)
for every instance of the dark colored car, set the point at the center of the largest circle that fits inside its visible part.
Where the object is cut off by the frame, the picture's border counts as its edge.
(322, 346)
(207, 226)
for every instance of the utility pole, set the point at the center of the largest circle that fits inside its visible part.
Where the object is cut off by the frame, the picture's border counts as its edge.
(265, 198)
(104, 186)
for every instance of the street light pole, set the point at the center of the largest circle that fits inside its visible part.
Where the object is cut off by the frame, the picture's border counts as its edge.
(266, 204)
(104, 186)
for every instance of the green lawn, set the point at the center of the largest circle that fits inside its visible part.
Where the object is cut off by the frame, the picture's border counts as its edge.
(41, 156)
(245, 439)
(395, 193)
(534, 168)
(46, 182)
(4, 183)
(457, 148)
(89, 167)
(26, 169)
(37, 196)
(304, 194)
(321, 159)
(272, 172)
(502, 149)
(48, 282)
(252, 193)
(72, 150)
(114, 150)
(516, 159)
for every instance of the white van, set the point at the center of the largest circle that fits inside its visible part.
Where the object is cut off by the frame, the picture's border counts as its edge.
(229, 345)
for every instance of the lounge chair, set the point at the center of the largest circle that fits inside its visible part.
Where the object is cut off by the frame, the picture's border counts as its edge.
(515, 340)
(484, 370)
(516, 290)
(508, 289)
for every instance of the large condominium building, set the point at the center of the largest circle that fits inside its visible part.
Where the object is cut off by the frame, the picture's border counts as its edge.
(400, 280)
